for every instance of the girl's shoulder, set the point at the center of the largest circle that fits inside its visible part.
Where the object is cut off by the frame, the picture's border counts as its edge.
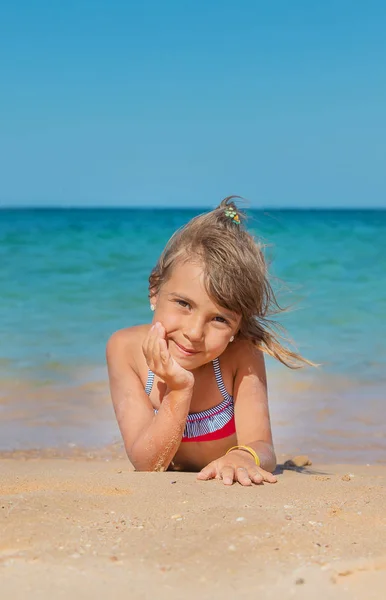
(126, 344)
(129, 336)
(241, 352)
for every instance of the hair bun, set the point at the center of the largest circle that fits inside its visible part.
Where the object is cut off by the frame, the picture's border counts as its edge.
(229, 212)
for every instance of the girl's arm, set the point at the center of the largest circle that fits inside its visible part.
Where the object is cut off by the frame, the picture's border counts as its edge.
(151, 440)
(253, 426)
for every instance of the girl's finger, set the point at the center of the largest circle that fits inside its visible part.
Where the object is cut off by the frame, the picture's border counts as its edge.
(164, 351)
(149, 340)
(256, 476)
(269, 478)
(209, 472)
(153, 348)
(160, 329)
(259, 475)
(243, 476)
(228, 475)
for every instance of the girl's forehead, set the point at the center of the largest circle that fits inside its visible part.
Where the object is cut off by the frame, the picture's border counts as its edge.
(187, 281)
(193, 267)
(187, 275)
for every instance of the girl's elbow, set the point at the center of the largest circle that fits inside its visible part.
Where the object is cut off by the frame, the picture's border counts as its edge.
(271, 462)
(143, 463)
(272, 465)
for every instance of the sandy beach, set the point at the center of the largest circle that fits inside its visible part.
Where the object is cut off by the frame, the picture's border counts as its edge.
(90, 527)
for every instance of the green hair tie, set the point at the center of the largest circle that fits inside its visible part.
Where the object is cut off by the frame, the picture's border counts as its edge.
(232, 214)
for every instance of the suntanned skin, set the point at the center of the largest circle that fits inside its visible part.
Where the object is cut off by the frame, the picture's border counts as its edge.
(188, 331)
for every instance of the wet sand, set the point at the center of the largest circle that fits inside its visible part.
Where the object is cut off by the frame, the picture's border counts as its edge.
(92, 528)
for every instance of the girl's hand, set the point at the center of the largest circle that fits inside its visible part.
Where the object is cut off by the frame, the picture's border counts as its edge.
(236, 467)
(160, 361)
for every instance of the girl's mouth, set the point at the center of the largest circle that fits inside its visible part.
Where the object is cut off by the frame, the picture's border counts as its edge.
(185, 351)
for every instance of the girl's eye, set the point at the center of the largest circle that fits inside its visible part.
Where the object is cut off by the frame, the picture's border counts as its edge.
(217, 319)
(221, 320)
(182, 303)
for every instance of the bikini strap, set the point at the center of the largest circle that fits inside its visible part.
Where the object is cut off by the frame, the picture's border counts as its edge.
(220, 383)
(217, 373)
(149, 382)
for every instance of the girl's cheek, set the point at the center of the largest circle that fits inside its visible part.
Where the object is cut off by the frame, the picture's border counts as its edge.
(170, 322)
(218, 342)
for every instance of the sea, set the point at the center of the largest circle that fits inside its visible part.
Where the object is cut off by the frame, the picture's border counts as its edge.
(69, 278)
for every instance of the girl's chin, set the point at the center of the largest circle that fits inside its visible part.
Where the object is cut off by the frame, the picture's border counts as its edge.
(186, 360)
(191, 363)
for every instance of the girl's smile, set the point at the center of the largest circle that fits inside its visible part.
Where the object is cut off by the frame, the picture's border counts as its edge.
(185, 351)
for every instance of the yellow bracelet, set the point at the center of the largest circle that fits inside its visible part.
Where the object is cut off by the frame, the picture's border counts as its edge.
(247, 449)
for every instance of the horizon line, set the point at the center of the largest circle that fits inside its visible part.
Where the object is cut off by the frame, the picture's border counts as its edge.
(174, 207)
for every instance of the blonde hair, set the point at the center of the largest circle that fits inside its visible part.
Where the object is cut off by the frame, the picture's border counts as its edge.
(236, 275)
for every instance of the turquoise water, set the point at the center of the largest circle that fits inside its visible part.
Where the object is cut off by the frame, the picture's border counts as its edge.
(69, 278)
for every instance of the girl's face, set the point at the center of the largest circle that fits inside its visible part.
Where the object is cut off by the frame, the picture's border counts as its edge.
(197, 329)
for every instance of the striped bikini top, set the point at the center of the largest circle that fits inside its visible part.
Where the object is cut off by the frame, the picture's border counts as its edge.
(211, 424)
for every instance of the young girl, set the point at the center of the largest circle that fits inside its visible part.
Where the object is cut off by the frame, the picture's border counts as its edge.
(189, 390)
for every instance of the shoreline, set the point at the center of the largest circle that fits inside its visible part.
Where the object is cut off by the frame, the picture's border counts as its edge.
(91, 526)
(330, 420)
(116, 451)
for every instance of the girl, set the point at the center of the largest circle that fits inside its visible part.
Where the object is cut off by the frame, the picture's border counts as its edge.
(189, 390)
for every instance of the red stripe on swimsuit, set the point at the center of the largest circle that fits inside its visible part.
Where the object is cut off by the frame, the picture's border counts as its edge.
(226, 431)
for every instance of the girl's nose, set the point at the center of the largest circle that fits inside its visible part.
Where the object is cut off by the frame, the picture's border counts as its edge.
(194, 330)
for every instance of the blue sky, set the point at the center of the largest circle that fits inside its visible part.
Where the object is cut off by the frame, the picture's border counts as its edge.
(181, 102)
